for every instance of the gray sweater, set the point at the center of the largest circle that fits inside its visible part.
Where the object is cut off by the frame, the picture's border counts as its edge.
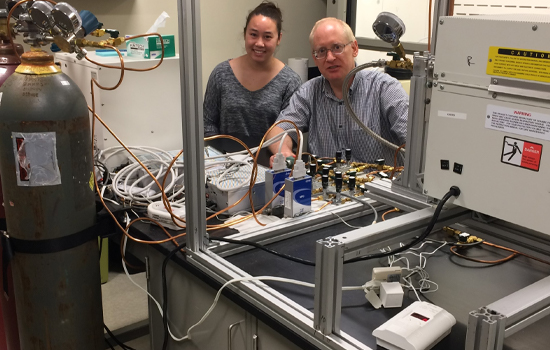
(231, 109)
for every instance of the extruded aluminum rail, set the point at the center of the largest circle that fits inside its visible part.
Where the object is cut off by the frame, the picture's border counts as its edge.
(488, 326)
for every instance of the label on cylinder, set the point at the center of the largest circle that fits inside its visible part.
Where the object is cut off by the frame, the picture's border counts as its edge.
(36, 159)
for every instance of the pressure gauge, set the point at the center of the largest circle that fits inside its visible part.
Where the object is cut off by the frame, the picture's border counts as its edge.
(18, 11)
(40, 13)
(389, 28)
(66, 17)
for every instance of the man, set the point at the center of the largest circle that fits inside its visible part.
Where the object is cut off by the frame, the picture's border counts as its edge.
(318, 107)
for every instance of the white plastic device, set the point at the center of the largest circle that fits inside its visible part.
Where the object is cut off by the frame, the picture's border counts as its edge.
(158, 212)
(392, 293)
(418, 327)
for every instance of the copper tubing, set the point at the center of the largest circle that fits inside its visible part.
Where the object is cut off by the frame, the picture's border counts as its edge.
(395, 160)
(134, 69)
(394, 210)
(511, 256)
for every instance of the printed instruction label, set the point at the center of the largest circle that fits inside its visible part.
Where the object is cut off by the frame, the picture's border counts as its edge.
(454, 115)
(519, 63)
(521, 153)
(518, 121)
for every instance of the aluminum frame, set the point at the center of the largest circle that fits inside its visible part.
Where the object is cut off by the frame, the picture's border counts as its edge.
(488, 326)
(322, 328)
(192, 121)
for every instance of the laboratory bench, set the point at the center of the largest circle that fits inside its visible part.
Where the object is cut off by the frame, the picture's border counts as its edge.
(462, 286)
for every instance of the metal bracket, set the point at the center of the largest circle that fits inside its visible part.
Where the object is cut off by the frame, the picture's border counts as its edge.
(527, 89)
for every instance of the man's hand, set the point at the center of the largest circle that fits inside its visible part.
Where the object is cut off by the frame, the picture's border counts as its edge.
(286, 147)
(285, 153)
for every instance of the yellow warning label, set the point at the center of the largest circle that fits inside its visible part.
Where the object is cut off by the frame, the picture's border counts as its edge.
(91, 182)
(519, 63)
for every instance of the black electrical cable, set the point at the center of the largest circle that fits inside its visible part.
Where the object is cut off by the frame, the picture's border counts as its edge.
(105, 171)
(118, 342)
(453, 191)
(165, 294)
(271, 251)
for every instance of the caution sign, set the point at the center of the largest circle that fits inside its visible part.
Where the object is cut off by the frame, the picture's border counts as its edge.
(519, 63)
(521, 153)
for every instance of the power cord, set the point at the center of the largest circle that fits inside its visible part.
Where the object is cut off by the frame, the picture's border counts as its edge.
(165, 294)
(454, 191)
(343, 194)
(118, 342)
(271, 251)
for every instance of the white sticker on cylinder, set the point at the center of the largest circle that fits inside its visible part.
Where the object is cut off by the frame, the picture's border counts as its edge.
(36, 159)
(65, 82)
(3, 71)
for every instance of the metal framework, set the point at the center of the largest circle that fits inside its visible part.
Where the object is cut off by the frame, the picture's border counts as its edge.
(192, 121)
(487, 327)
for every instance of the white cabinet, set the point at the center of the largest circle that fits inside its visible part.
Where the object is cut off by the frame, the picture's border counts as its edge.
(144, 110)
(228, 327)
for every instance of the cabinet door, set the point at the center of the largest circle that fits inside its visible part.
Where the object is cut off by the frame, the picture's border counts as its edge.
(269, 339)
(188, 300)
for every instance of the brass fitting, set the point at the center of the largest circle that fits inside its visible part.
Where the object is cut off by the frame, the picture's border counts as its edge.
(317, 190)
(100, 44)
(98, 33)
(451, 231)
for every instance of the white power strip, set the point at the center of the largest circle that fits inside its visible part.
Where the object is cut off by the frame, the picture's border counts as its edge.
(158, 212)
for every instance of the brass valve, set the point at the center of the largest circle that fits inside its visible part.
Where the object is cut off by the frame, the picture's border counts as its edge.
(101, 44)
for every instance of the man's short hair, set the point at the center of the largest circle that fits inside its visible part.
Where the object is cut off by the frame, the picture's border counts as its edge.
(348, 33)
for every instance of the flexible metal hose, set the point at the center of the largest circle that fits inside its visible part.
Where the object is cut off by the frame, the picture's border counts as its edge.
(345, 94)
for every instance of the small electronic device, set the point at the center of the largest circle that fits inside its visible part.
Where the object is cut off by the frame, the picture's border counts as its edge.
(419, 327)
(158, 212)
(384, 289)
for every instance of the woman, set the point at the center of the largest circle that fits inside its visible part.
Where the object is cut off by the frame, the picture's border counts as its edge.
(245, 95)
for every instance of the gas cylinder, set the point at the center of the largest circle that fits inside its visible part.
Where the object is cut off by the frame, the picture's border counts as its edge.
(9, 335)
(46, 169)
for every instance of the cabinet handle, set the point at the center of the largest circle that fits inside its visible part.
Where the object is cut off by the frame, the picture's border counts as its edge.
(255, 342)
(229, 337)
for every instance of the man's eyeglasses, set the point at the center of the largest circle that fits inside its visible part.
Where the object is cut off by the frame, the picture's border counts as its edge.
(336, 50)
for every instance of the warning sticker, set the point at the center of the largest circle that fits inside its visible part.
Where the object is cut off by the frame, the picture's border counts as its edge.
(518, 121)
(518, 63)
(521, 153)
